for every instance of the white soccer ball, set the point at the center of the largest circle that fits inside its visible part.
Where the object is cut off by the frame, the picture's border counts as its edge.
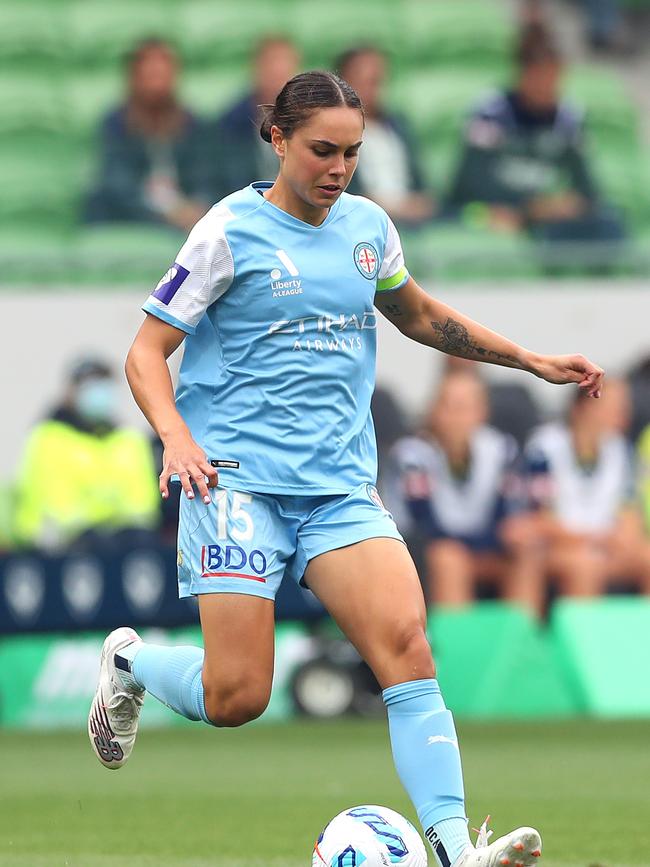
(370, 836)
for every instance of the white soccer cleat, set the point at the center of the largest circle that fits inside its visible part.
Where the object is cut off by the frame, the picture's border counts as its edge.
(520, 848)
(115, 711)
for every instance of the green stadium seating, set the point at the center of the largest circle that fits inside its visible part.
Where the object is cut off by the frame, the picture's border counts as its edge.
(210, 91)
(438, 100)
(88, 97)
(609, 109)
(34, 255)
(41, 181)
(124, 253)
(32, 103)
(324, 30)
(211, 33)
(604, 647)
(103, 33)
(460, 33)
(33, 34)
(457, 251)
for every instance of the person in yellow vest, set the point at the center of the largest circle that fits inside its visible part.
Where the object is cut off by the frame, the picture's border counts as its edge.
(80, 471)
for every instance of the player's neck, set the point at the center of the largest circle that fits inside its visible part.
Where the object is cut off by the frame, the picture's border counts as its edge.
(282, 196)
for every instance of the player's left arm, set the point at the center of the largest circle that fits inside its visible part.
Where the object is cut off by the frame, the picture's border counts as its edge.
(431, 322)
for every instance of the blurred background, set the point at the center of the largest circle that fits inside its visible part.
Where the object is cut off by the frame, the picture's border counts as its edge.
(510, 142)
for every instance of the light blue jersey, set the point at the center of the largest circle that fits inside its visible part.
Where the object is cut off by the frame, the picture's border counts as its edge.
(279, 363)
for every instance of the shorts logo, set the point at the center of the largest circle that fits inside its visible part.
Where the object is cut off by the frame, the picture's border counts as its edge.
(366, 260)
(171, 283)
(373, 493)
(226, 561)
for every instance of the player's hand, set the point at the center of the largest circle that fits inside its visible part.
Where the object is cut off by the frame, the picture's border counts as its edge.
(184, 457)
(562, 369)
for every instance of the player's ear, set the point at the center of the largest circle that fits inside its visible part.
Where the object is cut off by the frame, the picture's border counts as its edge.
(278, 141)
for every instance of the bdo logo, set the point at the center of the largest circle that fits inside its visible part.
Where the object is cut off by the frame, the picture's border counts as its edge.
(228, 561)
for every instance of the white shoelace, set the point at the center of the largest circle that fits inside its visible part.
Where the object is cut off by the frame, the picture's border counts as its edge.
(123, 708)
(484, 834)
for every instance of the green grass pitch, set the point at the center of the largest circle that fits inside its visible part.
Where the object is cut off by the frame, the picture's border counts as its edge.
(258, 796)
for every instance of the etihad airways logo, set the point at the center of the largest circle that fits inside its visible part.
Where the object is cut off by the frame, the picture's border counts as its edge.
(327, 332)
(281, 288)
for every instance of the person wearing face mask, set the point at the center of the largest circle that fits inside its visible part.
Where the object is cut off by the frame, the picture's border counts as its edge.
(100, 476)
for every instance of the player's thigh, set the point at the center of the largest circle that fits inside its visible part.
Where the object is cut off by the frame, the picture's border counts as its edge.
(372, 590)
(238, 637)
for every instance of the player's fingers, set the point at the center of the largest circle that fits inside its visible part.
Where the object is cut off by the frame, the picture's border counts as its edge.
(211, 473)
(163, 483)
(186, 483)
(199, 480)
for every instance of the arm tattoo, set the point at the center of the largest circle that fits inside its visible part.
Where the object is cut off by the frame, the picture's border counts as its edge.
(393, 309)
(455, 339)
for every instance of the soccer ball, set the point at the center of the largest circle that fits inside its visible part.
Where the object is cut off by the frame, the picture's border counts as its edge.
(369, 836)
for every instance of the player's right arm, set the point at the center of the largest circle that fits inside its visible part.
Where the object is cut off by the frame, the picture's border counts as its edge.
(150, 381)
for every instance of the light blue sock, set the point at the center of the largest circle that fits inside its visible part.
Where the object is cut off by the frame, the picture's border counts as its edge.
(172, 675)
(427, 759)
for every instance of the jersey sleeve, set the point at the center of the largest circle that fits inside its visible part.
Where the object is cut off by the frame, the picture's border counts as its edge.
(392, 273)
(203, 271)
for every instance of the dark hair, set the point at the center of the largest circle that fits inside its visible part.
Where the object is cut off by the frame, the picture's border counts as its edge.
(536, 44)
(353, 53)
(151, 43)
(303, 94)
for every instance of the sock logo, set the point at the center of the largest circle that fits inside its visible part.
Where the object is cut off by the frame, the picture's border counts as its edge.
(436, 844)
(441, 739)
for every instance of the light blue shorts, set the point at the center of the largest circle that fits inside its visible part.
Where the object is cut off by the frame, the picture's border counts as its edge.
(247, 543)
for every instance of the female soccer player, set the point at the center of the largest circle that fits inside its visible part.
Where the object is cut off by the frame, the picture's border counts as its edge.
(272, 439)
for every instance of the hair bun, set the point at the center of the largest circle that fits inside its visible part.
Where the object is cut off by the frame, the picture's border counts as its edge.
(267, 121)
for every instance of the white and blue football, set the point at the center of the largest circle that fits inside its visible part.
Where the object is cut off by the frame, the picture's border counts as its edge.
(369, 836)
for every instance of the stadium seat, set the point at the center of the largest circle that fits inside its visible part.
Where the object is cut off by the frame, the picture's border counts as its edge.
(40, 180)
(211, 33)
(102, 33)
(210, 91)
(437, 101)
(455, 251)
(124, 253)
(88, 97)
(609, 109)
(460, 33)
(34, 255)
(32, 103)
(33, 33)
(324, 30)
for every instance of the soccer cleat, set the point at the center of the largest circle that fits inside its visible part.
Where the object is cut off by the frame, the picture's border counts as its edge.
(115, 711)
(520, 848)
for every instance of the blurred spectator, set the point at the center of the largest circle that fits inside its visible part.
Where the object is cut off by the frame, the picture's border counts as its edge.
(241, 153)
(457, 487)
(388, 169)
(581, 478)
(524, 164)
(154, 160)
(639, 381)
(82, 472)
(643, 453)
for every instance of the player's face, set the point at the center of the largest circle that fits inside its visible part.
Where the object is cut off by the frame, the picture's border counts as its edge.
(319, 159)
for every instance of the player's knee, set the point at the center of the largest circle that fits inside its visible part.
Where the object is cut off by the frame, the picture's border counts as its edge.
(413, 652)
(232, 706)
